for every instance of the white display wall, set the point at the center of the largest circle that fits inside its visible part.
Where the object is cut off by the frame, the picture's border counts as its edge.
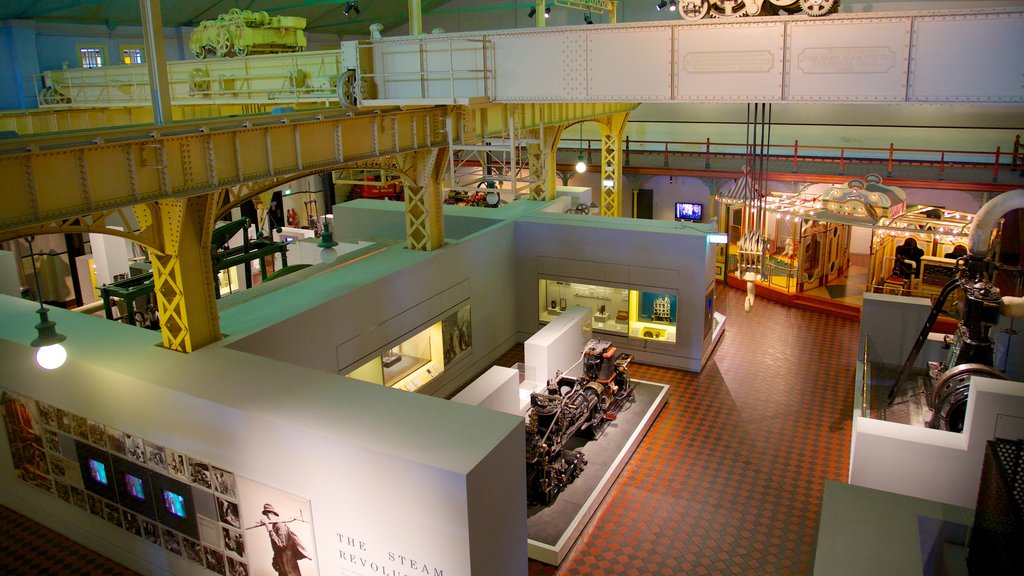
(390, 477)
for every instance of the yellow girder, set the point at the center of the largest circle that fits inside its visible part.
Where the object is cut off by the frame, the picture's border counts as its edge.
(424, 218)
(49, 120)
(612, 129)
(59, 177)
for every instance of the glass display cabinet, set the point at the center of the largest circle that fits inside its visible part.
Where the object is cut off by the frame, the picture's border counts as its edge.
(407, 366)
(637, 314)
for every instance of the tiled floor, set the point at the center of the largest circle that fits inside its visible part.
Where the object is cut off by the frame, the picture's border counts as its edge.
(729, 479)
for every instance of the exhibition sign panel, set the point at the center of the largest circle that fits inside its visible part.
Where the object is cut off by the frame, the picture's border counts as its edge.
(612, 70)
(541, 67)
(848, 61)
(969, 58)
(736, 63)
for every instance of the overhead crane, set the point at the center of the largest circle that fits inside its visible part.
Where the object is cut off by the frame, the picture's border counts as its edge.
(410, 98)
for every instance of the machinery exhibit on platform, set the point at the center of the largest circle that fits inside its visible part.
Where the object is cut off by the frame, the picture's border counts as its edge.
(355, 552)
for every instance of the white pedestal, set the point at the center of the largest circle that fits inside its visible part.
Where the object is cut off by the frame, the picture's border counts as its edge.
(497, 389)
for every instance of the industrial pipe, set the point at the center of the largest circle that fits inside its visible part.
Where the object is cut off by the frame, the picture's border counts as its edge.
(985, 221)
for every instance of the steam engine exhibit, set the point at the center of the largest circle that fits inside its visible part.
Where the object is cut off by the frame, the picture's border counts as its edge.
(570, 406)
(970, 347)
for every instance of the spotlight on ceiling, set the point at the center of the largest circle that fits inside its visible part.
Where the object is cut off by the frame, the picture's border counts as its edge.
(547, 12)
(532, 12)
(350, 7)
(661, 5)
(587, 18)
(672, 5)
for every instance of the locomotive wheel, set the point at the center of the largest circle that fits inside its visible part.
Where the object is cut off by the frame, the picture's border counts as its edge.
(818, 7)
(241, 50)
(347, 89)
(949, 399)
(693, 9)
(222, 43)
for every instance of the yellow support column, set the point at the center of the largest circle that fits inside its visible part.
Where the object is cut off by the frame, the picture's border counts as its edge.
(424, 218)
(415, 18)
(538, 16)
(183, 273)
(612, 129)
(542, 163)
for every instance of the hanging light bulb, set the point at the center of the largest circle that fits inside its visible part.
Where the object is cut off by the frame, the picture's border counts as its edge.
(50, 354)
(581, 166)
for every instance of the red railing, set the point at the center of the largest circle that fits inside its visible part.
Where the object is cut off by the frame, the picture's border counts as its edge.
(798, 153)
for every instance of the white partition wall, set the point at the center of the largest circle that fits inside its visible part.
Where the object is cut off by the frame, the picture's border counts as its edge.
(389, 478)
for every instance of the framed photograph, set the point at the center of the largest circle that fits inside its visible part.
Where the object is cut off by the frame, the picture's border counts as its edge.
(457, 335)
(172, 541)
(193, 550)
(57, 467)
(237, 567)
(155, 456)
(97, 434)
(150, 531)
(224, 482)
(265, 509)
(199, 473)
(79, 427)
(47, 414)
(214, 559)
(95, 505)
(136, 448)
(78, 498)
(132, 523)
(116, 442)
(177, 465)
(234, 542)
(52, 441)
(228, 512)
(63, 420)
(25, 436)
(113, 514)
(63, 491)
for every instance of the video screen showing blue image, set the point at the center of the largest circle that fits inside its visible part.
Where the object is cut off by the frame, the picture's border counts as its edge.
(689, 211)
(174, 503)
(98, 471)
(134, 485)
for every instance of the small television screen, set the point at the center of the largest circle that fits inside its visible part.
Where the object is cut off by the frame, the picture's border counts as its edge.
(689, 211)
(174, 503)
(98, 471)
(134, 485)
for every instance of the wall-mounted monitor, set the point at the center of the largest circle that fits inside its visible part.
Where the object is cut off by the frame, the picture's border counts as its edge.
(689, 211)
(98, 471)
(134, 486)
(175, 503)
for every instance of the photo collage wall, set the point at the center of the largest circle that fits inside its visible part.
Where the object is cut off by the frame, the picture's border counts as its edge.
(191, 508)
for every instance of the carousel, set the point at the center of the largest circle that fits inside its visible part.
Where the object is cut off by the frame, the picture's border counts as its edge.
(806, 239)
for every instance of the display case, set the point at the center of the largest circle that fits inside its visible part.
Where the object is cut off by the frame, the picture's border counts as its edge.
(407, 366)
(610, 305)
(652, 315)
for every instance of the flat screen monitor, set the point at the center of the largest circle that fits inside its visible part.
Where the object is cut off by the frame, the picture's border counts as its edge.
(689, 211)
(134, 486)
(174, 503)
(98, 471)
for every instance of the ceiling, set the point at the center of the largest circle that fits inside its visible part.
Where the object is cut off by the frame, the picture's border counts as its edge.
(322, 16)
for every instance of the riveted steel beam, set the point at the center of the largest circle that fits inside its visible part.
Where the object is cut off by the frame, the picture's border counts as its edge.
(46, 180)
(612, 129)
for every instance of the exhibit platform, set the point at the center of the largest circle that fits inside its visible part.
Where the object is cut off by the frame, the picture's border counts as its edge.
(553, 529)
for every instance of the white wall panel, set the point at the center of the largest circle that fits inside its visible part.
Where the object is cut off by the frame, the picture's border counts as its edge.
(849, 61)
(968, 58)
(541, 67)
(633, 65)
(740, 62)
